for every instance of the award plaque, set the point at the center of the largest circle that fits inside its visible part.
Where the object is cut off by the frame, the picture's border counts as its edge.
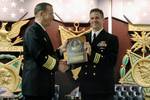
(75, 50)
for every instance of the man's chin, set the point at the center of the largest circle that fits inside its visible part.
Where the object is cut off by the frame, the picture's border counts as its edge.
(95, 27)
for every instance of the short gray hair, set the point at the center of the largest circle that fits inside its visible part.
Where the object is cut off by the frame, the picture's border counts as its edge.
(41, 7)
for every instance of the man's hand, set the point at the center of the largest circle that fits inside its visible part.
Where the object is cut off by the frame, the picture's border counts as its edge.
(63, 46)
(87, 47)
(63, 67)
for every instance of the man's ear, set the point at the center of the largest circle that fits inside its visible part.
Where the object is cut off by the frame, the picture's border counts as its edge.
(41, 13)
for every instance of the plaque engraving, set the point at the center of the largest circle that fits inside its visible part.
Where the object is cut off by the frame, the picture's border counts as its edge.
(75, 50)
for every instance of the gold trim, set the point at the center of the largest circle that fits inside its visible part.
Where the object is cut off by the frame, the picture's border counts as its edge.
(18, 89)
(97, 58)
(127, 79)
(138, 27)
(50, 63)
(11, 49)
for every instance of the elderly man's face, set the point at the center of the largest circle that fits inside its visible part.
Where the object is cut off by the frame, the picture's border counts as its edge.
(48, 16)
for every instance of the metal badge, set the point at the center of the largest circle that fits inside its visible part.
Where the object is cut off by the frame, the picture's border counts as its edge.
(102, 44)
(45, 39)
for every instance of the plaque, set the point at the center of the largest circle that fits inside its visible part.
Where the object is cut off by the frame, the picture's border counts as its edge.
(75, 50)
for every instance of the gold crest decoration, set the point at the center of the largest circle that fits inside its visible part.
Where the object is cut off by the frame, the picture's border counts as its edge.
(139, 58)
(69, 33)
(6, 37)
(9, 74)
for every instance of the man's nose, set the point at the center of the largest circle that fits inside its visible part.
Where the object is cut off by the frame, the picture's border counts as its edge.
(94, 19)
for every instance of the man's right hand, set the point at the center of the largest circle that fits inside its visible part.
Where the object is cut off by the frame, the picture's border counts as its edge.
(63, 67)
(63, 46)
(87, 47)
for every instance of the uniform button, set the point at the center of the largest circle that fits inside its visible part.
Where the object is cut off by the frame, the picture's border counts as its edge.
(45, 57)
(94, 66)
(86, 66)
(51, 73)
(85, 73)
(45, 39)
(94, 74)
(102, 50)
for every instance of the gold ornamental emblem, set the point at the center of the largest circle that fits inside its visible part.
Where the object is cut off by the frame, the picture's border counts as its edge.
(141, 72)
(139, 58)
(9, 74)
(8, 78)
(9, 39)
